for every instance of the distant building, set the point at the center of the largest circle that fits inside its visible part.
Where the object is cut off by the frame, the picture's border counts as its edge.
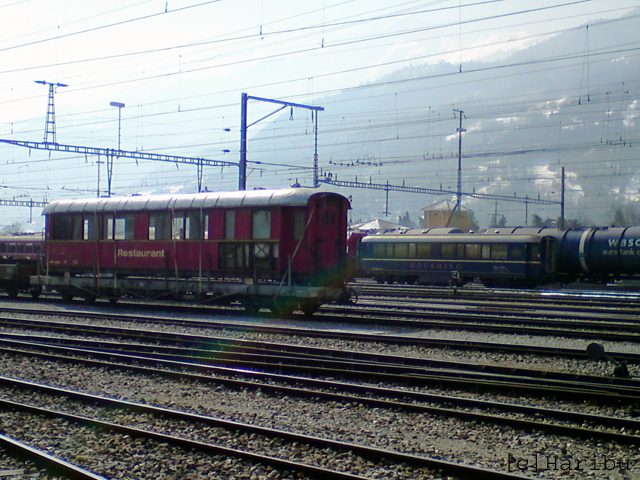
(444, 214)
(376, 226)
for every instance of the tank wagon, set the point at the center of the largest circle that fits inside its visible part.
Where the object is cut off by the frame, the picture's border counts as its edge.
(597, 254)
(19, 260)
(279, 249)
(446, 256)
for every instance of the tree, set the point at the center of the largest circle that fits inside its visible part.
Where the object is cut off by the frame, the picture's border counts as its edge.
(537, 221)
(406, 221)
(579, 222)
(573, 223)
(473, 223)
(625, 215)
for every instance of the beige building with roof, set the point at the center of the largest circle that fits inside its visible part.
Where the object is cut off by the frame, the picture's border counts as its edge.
(444, 214)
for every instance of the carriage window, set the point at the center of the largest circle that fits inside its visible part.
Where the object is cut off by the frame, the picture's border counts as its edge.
(472, 250)
(119, 228)
(108, 232)
(486, 250)
(535, 252)
(193, 226)
(177, 227)
(12, 248)
(61, 227)
(499, 251)
(124, 228)
(448, 250)
(77, 227)
(377, 250)
(261, 224)
(516, 251)
(205, 227)
(424, 250)
(298, 224)
(90, 230)
(459, 250)
(402, 250)
(230, 225)
(159, 226)
(389, 250)
(412, 250)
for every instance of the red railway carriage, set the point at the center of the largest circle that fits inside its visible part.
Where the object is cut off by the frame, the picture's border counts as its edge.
(20, 246)
(269, 248)
(19, 259)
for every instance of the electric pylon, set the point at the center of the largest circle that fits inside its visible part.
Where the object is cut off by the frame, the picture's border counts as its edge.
(50, 123)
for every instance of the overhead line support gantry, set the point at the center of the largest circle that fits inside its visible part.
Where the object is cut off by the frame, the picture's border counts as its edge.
(111, 153)
(430, 191)
(242, 166)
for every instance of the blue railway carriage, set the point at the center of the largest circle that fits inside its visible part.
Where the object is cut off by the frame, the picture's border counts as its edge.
(440, 258)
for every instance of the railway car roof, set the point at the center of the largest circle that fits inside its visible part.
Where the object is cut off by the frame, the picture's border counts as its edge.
(21, 237)
(453, 238)
(244, 198)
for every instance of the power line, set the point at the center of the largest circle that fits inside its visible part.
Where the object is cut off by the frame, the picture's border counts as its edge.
(102, 27)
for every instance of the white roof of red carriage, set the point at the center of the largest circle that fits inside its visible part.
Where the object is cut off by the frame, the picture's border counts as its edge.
(243, 198)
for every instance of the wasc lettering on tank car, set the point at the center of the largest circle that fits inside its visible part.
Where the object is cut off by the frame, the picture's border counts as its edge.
(279, 249)
(596, 254)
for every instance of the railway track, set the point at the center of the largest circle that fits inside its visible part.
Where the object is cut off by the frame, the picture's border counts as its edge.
(46, 462)
(597, 326)
(107, 407)
(542, 306)
(392, 337)
(290, 359)
(562, 297)
(304, 372)
(571, 425)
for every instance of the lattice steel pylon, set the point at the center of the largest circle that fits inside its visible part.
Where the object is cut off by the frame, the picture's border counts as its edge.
(50, 123)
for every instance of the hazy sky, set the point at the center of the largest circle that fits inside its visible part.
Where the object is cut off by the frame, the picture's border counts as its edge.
(181, 66)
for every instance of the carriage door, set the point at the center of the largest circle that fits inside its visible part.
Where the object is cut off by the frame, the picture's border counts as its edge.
(262, 253)
(330, 233)
(549, 256)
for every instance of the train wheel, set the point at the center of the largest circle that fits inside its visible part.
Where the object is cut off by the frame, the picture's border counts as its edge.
(67, 297)
(12, 291)
(113, 300)
(283, 311)
(251, 307)
(283, 308)
(35, 293)
(309, 308)
(90, 297)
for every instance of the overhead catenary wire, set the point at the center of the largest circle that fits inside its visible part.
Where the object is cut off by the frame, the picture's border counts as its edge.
(404, 121)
